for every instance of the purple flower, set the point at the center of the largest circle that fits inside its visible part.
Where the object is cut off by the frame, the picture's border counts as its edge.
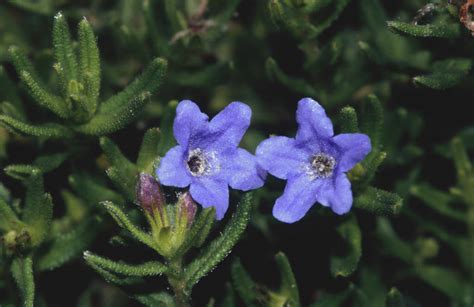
(207, 158)
(313, 163)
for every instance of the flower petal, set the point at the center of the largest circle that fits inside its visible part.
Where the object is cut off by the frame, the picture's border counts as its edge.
(243, 172)
(210, 192)
(336, 193)
(188, 122)
(172, 171)
(299, 196)
(281, 157)
(228, 127)
(353, 147)
(312, 121)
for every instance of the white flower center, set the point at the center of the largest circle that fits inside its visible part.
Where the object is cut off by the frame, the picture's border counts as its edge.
(201, 163)
(321, 166)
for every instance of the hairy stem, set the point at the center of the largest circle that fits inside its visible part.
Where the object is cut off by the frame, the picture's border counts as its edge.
(177, 281)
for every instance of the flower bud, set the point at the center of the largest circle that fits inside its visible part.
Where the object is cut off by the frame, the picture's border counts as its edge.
(187, 208)
(149, 195)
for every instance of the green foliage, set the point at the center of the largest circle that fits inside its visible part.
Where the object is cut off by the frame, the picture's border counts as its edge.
(22, 271)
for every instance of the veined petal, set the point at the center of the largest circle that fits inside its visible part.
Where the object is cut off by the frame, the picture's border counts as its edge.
(188, 122)
(299, 196)
(312, 121)
(211, 192)
(228, 127)
(281, 157)
(353, 148)
(243, 172)
(336, 193)
(172, 171)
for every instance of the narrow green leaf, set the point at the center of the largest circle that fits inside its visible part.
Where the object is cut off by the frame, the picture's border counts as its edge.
(22, 271)
(346, 261)
(348, 120)
(44, 97)
(430, 30)
(38, 209)
(67, 246)
(89, 64)
(166, 127)
(395, 298)
(43, 164)
(218, 249)
(243, 284)
(391, 244)
(378, 201)
(161, 299)
(122, 220)
(333, 299)
(8, 218)
(171, 10)
(446, 281)
(148, 154)
(437, 200)
(445, 74)
(21, 62)
(288, 285)
(49, 130)
(372, 120)
(64, 51)
(148, 82)
(92, 190)
(336, 11)
(461, 159)
(114, 278)
(125, 183)
(121, 109)
(298, 85)
(116, 158)
(151, 268)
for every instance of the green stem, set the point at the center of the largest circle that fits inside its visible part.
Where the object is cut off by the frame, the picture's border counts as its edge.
(177, 281)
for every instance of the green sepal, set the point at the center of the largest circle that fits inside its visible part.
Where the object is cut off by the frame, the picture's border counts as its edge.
(161, 299)
(345, 262)
(38, 210)
(22, 271)
(445, 74)
(244, 284)
(148, 154)
(218, 249)
(166, 128)
(378, 201)
(430, 30)
(89, 65)
(394, 298)
(348, 120)
(288, 285)
(8, 218)
(66, 60)
(44, 164)
(151, 268)
(297, 85)
(199, 231)
(49, 130)
(67, 246)
(123, 221)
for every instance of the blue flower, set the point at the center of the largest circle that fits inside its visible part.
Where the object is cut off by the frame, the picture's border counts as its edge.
(207, 158)
(313, 163)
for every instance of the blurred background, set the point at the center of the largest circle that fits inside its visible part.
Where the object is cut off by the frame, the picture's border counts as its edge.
(269, 54)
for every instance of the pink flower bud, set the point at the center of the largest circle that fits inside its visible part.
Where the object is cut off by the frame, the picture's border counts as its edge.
(187, 207)
(149, 195)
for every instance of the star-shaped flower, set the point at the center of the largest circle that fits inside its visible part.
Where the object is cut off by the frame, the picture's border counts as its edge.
(314, 163)
(207, 158)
